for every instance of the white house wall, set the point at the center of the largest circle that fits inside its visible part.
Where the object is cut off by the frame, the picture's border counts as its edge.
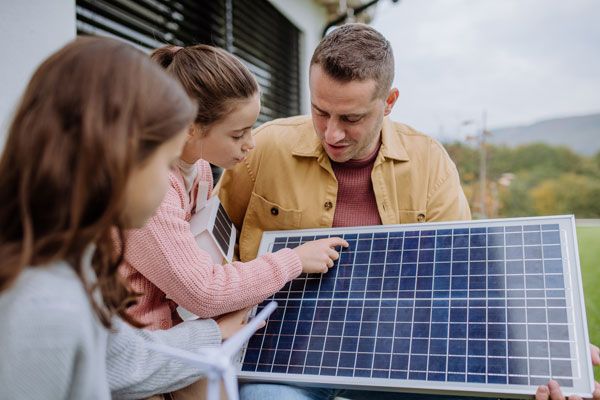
(29, 32)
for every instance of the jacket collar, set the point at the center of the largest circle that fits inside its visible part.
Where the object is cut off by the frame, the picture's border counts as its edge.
(392, 146)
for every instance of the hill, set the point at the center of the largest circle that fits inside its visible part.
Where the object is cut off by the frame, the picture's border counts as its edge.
(580, 133)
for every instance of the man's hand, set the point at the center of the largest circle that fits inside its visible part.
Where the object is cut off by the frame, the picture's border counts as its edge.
(552, 390)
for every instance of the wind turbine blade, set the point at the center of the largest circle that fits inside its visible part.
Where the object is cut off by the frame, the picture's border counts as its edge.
(200, 361)
(235, 343)
(231, 384)
(213, 389)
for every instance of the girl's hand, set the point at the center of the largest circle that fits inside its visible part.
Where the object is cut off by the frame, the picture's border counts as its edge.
(231, 323)
(318, 256)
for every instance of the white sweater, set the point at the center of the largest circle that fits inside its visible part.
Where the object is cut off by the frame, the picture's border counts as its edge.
(52, 345)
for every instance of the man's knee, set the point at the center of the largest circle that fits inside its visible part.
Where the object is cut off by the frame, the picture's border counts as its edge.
(262, 391)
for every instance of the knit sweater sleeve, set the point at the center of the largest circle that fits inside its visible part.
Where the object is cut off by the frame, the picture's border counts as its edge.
(166, 253)
(135, 372)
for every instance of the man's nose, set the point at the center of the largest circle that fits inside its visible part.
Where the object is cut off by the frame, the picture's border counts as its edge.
(333, 132)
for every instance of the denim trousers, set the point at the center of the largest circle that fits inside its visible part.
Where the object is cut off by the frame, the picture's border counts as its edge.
(267, 391)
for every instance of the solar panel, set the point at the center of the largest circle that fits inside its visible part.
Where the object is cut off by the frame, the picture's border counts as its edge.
(214, 231)
(474, 307)
(215, 234)
(223, 229)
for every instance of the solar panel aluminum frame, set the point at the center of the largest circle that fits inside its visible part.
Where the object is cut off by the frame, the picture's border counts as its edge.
(583, 380)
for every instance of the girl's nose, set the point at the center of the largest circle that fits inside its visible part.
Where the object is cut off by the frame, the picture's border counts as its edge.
(249, 144)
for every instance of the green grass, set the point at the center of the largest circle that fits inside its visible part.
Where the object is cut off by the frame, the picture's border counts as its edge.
(589, 253)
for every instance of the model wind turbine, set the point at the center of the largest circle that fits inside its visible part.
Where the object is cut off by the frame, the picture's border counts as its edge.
(216, 362)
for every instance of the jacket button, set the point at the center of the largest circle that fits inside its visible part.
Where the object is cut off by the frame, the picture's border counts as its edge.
(328, 205)
(421, 217)
(275, 211)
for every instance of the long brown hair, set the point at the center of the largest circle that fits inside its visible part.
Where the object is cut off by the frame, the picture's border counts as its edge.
(211, 76)
(92, 111)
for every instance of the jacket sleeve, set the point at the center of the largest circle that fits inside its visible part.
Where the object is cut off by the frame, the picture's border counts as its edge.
(134, 371)
(446, 200)
(166, 253)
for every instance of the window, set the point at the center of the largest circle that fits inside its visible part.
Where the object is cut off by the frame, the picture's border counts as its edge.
(253, 30)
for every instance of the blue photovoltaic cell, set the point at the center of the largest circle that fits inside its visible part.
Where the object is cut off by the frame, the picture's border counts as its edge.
(222, 229)
(476, 305)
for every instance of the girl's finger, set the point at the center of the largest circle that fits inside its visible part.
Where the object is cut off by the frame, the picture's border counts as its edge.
(337, 241)
(334, 255)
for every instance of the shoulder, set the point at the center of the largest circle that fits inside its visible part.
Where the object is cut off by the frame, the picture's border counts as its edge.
(418, 143)
(50, 336)
(177, 194)
(281, 137)
(413, 135)
(55, 285)
(176, 182)
(204, 171)
(298, 121)
(46, 307)
(281, 129)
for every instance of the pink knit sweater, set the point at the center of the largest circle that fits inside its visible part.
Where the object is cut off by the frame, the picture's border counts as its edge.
(164, 263)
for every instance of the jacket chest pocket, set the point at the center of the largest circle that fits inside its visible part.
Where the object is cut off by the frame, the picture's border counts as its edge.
(412, 217)
(271, 216)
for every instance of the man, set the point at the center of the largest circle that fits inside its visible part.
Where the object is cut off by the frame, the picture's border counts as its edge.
(348, 165)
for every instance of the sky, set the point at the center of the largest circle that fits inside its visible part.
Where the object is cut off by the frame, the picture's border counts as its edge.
(516, 61)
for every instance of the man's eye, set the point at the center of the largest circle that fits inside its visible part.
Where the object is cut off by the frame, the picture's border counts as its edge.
(320, 113)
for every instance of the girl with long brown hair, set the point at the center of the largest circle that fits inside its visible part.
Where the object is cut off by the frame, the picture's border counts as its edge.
(88, 155)
(163, 260)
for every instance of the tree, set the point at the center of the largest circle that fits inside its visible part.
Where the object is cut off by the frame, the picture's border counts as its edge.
(547, 179)
(567, 194)
(515, 200)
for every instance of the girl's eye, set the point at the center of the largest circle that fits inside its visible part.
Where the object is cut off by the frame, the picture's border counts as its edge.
(240, 135)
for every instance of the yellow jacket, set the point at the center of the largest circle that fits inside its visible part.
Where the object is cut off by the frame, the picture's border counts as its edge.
(287, 182)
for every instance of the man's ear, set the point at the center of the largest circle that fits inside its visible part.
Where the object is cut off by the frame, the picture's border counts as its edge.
(390, 100)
